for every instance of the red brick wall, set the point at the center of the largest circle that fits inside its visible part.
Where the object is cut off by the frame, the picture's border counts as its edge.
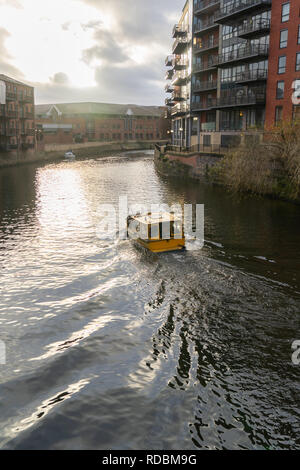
(191, 161)
(275, 52)
(15, 122)
(107, 129)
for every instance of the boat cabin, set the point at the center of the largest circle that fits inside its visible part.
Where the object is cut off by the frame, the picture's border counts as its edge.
(157, 232)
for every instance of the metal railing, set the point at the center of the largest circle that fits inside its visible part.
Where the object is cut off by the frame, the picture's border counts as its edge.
(176, 96)
(254, 26)
(180, 76)
(211, 63)
(246, 76)
(179, 29)
(169, 102)
(203, 25)
(181, 41)
(198, 148)
(169, 88)
(204, 4)
(169, 60)
(11, 132)
(11, 96)
(202, 86)
(181, 108)
(26, 98)
(205, 46)
(179, 63)
(250, 97)
(238, 5)
(11, 113)
(203, 105)
(243, 53)
(169, 74)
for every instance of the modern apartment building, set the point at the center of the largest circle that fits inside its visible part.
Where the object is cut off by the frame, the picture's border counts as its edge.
(240, 61)
(17, 121)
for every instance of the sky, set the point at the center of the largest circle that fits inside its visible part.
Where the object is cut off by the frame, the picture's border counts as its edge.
(109, 51)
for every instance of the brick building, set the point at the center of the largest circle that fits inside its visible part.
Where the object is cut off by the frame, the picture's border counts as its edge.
(17, 121)
(233, 68)
(103, 122)
(284, 61)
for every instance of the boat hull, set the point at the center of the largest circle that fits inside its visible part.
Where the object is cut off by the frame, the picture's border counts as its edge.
(161, 246)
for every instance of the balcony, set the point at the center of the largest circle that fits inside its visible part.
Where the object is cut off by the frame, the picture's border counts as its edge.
(11, 132)
(11, 96)
(179, 30)
(27, 145)
(251, 76)
(179, 63)
(11, 147)
(245, 53)
(25, 98)
(169, 60)
(237, 9)
(206, 66)
(254, 29)
(180, 78)
(205, 26)
(180, 45)
(169, 88)
(179, 109)
(27, 131)
(169, 74)
(208, 127)
(176, 97)
(203, 105)
(26, 115)
(205, 46)
(169, 102)
(12, 114)
(204, 7)
(205, 86)
(239, 98)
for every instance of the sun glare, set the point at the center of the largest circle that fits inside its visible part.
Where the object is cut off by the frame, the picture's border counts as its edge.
(60, 36)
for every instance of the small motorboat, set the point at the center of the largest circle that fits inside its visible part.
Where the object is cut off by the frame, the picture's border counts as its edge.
(70, 155)
(158, 232)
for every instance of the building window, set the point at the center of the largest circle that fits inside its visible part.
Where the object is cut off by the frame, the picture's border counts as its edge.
(283, 38)
(280, 90)
(298, 62)
(298, 34)
(207, 140)
(281, 64)
(278, 114)
(285, 12)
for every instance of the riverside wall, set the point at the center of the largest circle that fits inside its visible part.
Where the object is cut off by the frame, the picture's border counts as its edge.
(55, 151)
(190, 165)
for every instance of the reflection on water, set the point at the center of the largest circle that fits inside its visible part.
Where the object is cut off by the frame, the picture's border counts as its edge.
(110, 347)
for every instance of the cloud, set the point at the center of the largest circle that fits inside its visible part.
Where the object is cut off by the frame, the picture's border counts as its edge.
(141, 20)
(118, 45)
(106, 48)
(11, 3)
(60, 78)
(5, 59)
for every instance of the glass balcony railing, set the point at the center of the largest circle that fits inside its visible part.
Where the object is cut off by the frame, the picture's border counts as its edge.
(246, 52)
(207, 85)
(236, 8)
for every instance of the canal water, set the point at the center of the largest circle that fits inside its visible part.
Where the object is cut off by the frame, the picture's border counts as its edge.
(108, 347)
